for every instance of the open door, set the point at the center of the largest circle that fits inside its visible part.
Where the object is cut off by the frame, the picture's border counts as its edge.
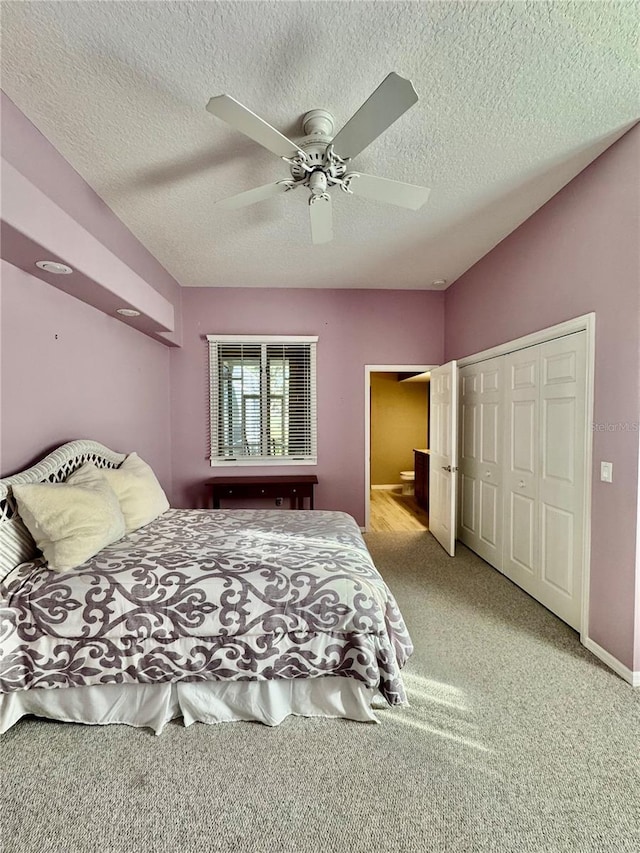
(443, 463)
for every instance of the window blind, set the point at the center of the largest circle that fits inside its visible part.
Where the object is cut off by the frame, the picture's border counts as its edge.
(263, 399)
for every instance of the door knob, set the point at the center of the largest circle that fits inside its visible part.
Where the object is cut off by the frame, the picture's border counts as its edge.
(522, 484)
(446, 468)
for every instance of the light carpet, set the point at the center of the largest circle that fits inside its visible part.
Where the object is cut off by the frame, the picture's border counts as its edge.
(517, 739)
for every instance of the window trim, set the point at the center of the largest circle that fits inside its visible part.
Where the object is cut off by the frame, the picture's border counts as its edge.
(259, 461)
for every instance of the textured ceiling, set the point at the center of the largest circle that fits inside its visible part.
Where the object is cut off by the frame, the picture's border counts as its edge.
(515, 99)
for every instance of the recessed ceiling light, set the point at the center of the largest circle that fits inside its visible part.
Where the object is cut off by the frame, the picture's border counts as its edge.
(128, 312)
(54, 267)
(439, 282)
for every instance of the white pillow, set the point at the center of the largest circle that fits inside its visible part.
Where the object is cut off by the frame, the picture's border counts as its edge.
(71, 521)
(138, 490)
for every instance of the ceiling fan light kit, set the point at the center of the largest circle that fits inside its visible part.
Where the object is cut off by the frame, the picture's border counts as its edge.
(319, 161)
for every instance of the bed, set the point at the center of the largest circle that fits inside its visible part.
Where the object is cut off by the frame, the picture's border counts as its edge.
(208, 615)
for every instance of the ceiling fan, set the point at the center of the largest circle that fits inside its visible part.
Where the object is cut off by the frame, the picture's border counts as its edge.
(320, 160)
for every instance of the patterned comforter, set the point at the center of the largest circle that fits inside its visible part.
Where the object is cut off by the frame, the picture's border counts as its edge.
(201, 595)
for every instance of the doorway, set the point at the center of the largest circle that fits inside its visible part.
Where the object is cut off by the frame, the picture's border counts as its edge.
(396, 425)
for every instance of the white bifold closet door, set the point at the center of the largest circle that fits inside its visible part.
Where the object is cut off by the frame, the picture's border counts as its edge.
(481, 458)
(532, 403)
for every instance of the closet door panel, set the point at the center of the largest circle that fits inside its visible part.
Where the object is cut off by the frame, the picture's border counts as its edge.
(491, 434)
(469, 412)
(481, 391)
(559, 436)
(468, 515)
(524, 422)
(490, 520)
(522, 548)
(557, 549)
(521, 540)
(562, 476)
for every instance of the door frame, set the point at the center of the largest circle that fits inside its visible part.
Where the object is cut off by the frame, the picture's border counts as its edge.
(368, 370)
(584, 323)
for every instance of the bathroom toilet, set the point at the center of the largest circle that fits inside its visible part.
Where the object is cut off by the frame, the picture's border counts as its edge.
(407, 479)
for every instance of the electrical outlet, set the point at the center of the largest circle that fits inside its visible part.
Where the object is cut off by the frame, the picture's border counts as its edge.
(279, 501)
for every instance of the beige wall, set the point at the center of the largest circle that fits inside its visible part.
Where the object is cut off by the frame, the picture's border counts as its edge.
(398, 424)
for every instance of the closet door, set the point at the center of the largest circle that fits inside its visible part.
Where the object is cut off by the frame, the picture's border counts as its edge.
(481, 458)
(521, 517)
(544, 473)
(562, 475)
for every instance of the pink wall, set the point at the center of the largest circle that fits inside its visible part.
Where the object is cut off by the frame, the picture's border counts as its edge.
(35, 157)
(26, 150)
(68, 371)
(355, 327)
(577, 254)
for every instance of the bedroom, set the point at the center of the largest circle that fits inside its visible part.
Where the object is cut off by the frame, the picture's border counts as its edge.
(97, 378)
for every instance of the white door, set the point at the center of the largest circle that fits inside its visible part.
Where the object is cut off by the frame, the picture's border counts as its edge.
(521, 543)
(443, 445)
(481, 458)
(545, 472)
(562, 475)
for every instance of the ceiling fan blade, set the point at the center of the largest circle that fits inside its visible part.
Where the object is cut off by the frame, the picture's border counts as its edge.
(242, 119)
(255, 195)
(391, 99)
(391, 192)
(321, 219)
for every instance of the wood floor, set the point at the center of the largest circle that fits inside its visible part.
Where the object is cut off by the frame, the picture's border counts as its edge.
(392, 511)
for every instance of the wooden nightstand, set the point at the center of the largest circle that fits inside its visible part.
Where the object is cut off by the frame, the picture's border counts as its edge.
(295, 487)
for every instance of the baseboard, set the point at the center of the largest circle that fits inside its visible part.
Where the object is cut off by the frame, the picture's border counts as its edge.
(613, 663)
(390, 488)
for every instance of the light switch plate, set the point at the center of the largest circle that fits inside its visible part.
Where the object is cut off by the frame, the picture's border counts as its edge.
(606, 472)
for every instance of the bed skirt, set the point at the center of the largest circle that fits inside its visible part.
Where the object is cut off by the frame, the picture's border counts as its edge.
(154, 705)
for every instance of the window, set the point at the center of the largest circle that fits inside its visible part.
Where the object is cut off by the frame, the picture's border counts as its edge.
(263, 399)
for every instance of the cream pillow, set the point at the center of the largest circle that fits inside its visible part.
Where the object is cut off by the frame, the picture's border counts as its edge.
(138, 490)
(71, 521)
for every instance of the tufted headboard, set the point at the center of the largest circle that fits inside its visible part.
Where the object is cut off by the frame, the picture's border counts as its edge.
(16, 544)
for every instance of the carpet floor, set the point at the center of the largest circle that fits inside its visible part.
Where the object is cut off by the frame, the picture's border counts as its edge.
(516, 739)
